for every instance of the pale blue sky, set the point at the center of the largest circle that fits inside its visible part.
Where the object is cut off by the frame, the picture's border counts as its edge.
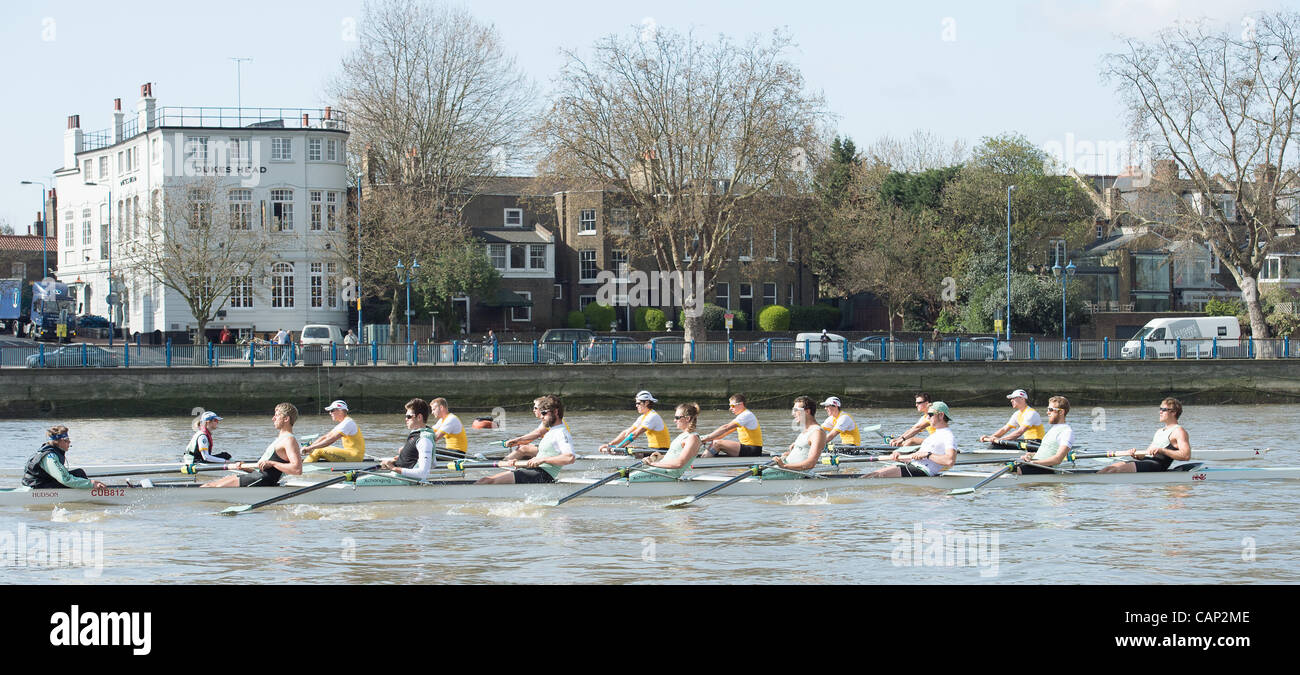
(961, 70)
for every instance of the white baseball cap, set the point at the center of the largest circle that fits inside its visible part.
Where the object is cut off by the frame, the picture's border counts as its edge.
(209, 415)
(1019, 393)
(832, 401)
(337, 405)
(646, 396)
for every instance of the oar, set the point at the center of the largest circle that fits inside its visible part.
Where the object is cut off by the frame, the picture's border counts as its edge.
(187, 469)
(1018, 444)
(687, 501)
(290, 495)
(621, 473)
(1012, 465)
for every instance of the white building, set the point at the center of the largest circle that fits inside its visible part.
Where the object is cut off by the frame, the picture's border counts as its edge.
(282, 169)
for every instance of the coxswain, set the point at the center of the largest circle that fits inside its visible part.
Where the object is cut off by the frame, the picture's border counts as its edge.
(415, 459)
(649, 423)
(283, 456)
(1024, 423)
(200, 448)
(839, 424)
(1056, 445)
(936, 455)
(803, 453)
(48, 468)
(448, 429)
(1169, 443)
(913, 435)
(354, 444)
(554, 450)
(683, 450)
(749, 441)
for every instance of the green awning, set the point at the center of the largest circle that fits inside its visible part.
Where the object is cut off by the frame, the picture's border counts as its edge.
(507, 298)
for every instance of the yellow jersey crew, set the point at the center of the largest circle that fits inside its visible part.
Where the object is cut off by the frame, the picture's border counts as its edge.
(1024, 423)
(345, 429)
(448, 428)
(649, 423)
(839, 424)
(749, 441)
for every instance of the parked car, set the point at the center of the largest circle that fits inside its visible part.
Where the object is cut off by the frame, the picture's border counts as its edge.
(1005, 350)
(875, 346)
(556, 344)
(812, 345)
(970, 350)
(602, 350)
(666, 349)
(782, 349)
(71, 356)
(321, 334)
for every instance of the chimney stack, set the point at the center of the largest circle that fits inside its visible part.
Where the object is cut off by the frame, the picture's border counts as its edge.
(305, 124)
(117, 120)
(328, 112)
(145, 108)
(1265, 173)
(1166, 169)
(73, 142)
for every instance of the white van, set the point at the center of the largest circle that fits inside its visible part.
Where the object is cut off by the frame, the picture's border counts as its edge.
(321, 334)
(811, 344)
(1160, 337)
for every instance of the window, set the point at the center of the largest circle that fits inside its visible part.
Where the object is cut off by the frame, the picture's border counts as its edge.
(587, 221)
(153, 153)
(775, 250)
(104, 238)
(769, 294)
(332, 150)
(85, 227)
(723, 294)
(1101, 231)
(497, 254)
(331, 211)
(1056, 253)
(1152, 273)
(88, 169)
(196, 151)
(522, 313)
(620, 221)
(315, 213)
(130, 159)
(747, 300)
(282, 149)
(332, 285)
(747, 244)
(317, 285)
(518, 254)
(1227, 205)
(238, 153)
(282, 285)
(103, 167)
(241, 209)
(587, 265)
(241, 292)
(313, 149)
(120, 163)
(135, 217)
(789, 296)
(282, 210)
(200, 209)
(1272, 269)
(537, 256)
(559, 292)
(514, 217)
(68, 224)
(585, 300)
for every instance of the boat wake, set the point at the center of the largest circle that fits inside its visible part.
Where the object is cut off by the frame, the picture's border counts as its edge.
(499, 510)
(334, 512)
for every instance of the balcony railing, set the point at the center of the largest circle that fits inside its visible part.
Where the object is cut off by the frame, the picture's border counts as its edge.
(221, 118)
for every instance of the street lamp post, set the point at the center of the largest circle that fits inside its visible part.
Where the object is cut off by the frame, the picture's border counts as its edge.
(110, 296)
(1064, 275)
(405, 275)
(1008, 317)
(45, 227)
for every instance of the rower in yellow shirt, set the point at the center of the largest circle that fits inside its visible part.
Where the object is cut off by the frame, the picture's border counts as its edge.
(1024, 423)
(353, 444)
(649, 423)
(448, 428)
(840, 424)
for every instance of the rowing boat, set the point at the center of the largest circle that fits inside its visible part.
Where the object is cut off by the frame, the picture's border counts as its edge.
(466, 490)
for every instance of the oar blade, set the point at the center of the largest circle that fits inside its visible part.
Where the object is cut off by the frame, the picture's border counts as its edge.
(961, 491)
(680, 503)
(235, 510)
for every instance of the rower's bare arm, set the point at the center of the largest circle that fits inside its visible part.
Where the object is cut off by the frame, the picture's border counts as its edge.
(1059, 457)
(830, 436)
(722, 431)
(293, 467)
(528, 437)
(946, 458)
(323, 441)
(1015, 433)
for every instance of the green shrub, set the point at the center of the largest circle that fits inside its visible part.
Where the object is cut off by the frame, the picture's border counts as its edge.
(817, 317)
(638, 318)
(599, 316)
(655, 319)
(774, 318)
(576, 319)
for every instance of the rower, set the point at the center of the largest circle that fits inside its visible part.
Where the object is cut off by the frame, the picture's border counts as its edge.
(282, 456)
(749, 441)
(1024, 423)
(48, 470)
(936, 455)
(806, 449)
(681, 452)
(448, 429)
(416, 457)
(1056, 444)
(1169, 443)
(525, 443)
(200, 447)
(649, 423)
(553, 451)
(913, 435)
(345, 428)
(839, 424)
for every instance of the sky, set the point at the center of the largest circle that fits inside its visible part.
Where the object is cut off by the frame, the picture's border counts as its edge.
(958, 70)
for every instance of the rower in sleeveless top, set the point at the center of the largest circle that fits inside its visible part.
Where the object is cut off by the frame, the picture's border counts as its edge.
(283, 456)
(913, 434)
(1024, 423)
(48, 470)
(936, 455)
(1169, 443)
(681, 454)
(200, 448)
(1056, 443)
(803, 453)
(648, 423)
(554, 451)
(415, 459)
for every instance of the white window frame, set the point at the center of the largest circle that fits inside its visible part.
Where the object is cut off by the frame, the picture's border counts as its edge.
(316, 285)
(88, 169)
(315, 151)
(620, 221)
(331, 150)
(332, 285)
(281, 149)
(772, 258)
(584, 221)
(583, 261)
(559, 292)
(495, 251)
(773, 296)
(514, 311)
(532, 250)
(722, 291)
(241, 292)
(518, 215)
(69, 225)
(103, 167)
(315, 200)
(584, 300)
(619, 261)
(241, 208)
(282, 285)
(283, 222)
(332, 211)
(1228, 205)
(196, 151)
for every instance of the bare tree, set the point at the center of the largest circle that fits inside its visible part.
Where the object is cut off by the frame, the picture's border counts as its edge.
(1222, 108)
(695, 135)
(196, 243)
(922, 151)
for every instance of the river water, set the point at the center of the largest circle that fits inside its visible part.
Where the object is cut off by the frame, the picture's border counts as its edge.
(1207, 533)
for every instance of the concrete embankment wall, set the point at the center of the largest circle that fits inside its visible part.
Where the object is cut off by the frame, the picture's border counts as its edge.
(176, 391)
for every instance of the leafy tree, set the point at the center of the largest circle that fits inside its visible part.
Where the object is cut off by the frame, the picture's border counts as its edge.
(576, 319)
(1035, 302)
(774, 318)
(598, 316)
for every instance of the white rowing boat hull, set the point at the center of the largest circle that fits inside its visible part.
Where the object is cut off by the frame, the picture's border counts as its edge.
(465, 490)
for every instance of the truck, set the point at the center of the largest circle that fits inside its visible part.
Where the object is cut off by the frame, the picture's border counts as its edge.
(53, 312)
(11, 293)
(1198, 335)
